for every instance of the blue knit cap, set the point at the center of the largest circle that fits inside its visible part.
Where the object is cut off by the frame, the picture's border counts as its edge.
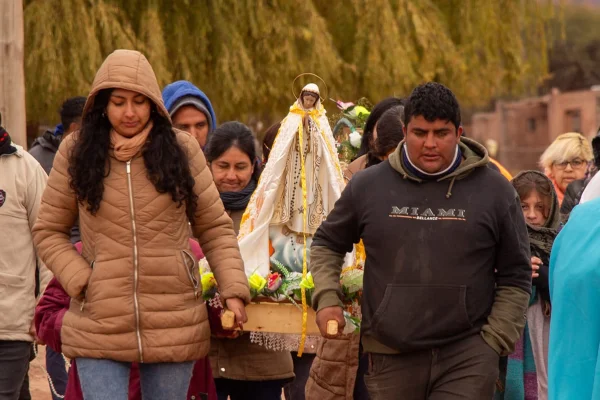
(176, 91)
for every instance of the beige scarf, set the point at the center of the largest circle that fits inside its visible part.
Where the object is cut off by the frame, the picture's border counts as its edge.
(127, 147)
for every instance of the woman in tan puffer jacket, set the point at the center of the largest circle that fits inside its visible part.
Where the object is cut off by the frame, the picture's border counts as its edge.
(135, 182)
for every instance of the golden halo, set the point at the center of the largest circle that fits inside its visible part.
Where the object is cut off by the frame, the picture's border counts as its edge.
(311, 74)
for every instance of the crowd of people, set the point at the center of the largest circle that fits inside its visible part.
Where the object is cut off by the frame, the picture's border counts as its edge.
(477, 285)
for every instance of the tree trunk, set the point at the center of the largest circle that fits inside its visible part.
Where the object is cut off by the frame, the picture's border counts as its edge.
(12, 75)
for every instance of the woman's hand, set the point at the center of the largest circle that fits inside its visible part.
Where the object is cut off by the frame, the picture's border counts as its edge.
(535, 267)
(237, 306)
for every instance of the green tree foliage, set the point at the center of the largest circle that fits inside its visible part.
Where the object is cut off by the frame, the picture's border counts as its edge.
(245, 53)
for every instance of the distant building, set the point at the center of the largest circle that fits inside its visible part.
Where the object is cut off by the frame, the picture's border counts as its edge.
(523, 129)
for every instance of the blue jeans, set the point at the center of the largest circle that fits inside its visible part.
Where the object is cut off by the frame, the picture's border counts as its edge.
(109, 380)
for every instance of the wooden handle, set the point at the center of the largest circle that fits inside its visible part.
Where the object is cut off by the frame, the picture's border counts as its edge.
(228, 320)
(332, 327)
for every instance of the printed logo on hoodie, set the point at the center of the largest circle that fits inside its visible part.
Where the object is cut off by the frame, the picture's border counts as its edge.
(2, 197)
(427, 214)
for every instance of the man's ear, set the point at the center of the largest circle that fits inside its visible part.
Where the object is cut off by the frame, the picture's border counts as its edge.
(74, 126)
(459, 133)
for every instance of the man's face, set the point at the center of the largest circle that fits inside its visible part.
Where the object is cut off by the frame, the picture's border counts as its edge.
(190, 119)
(75, 126)
(431, 145)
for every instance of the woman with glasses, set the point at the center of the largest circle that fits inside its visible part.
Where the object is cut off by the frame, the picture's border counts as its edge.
(566, 160)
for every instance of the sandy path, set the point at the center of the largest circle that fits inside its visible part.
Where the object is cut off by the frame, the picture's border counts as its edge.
(38, 384)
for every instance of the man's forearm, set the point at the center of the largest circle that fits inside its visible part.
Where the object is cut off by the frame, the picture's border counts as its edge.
(326, 267)
(507, 319)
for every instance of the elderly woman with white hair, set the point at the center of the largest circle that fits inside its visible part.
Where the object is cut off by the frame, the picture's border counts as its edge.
(566, 160)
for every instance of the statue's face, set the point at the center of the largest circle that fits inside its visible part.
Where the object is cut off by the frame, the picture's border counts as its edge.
(309, 100)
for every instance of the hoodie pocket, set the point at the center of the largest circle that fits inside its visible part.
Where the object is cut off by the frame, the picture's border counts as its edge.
(417, 316)
(191, 268)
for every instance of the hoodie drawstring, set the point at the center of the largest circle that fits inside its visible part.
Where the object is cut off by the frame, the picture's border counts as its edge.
(449, 194)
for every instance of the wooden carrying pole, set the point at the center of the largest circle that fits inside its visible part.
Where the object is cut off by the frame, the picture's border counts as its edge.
(12, 73)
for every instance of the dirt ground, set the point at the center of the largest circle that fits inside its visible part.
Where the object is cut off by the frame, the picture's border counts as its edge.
(38, 384)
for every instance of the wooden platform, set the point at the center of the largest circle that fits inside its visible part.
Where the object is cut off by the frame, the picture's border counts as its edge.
(279, 318)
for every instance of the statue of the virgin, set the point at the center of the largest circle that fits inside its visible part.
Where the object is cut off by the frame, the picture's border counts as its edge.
(297, 189)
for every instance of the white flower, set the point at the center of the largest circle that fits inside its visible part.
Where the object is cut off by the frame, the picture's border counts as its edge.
(355, 139)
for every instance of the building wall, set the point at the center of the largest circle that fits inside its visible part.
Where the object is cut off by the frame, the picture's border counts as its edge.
(523, 129)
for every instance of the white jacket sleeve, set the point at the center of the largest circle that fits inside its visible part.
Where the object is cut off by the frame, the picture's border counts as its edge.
(35, 189)
(592, 190)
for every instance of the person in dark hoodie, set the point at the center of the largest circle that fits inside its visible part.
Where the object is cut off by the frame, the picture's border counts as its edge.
(190, 110)
(44, 148)
(447, 276)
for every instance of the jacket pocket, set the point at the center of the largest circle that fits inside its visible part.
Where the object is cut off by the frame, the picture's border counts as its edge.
(417, 316)
(12, 280)
(87, 288)
(191, 268)
(17, 297)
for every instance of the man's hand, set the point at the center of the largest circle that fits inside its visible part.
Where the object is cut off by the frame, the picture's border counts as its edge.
(237, 306)
(33, 333)
(326, 314)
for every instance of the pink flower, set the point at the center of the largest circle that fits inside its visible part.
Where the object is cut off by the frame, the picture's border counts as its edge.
(274, 282)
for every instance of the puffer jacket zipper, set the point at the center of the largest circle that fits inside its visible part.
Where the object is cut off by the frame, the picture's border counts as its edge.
(135, 263)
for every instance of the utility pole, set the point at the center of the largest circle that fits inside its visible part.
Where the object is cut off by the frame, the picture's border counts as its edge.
(12, 72)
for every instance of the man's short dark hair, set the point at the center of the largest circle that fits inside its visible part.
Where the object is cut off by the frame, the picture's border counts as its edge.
(71, 111)
(432, 101)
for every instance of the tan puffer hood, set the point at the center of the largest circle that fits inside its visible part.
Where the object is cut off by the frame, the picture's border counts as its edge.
(129, 70)
(135, 289)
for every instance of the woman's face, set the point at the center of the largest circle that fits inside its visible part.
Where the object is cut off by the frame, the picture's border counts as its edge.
(232, 171)
(567, 172)
(534, 209)
(128, 112)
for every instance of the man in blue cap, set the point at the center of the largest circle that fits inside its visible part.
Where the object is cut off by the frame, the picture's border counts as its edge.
(190, 110)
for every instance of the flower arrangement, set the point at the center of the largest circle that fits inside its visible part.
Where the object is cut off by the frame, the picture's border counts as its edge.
(348, 128)
(283, 285)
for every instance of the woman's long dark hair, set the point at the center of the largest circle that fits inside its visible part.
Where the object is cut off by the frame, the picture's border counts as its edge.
(376, 113)
(167, 164)
(232, 134)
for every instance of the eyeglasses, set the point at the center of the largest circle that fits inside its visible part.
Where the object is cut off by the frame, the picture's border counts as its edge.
(577, 163)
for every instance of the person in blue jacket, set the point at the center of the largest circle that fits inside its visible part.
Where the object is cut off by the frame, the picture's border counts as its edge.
(573, 369)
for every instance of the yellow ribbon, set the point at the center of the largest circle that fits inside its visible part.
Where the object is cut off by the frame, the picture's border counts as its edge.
(304, 264)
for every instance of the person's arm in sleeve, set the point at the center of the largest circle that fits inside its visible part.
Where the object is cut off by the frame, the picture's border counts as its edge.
(49, 315)
(214, 230)
(51, 233)
(513, 283)
(334, 238)
(35, 189)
